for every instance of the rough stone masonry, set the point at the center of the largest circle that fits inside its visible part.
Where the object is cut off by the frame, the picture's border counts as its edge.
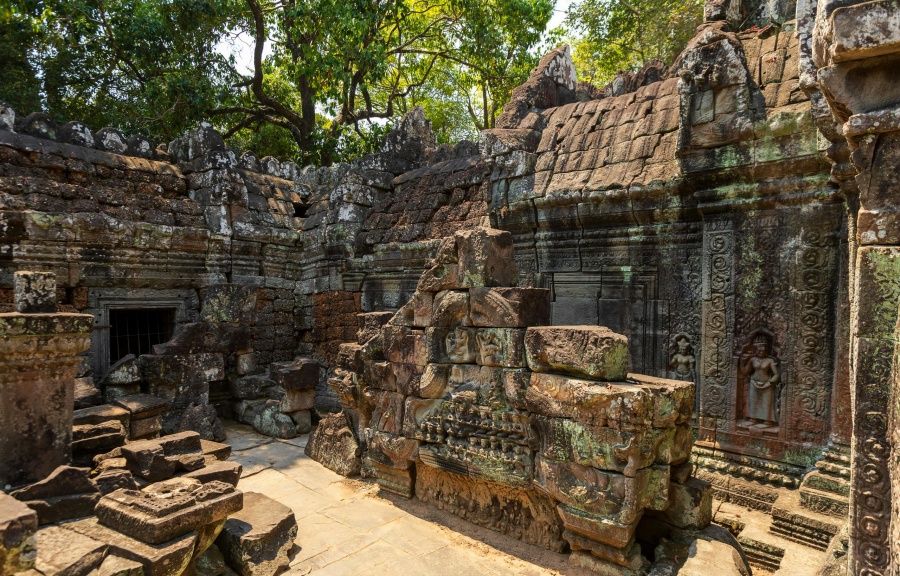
(728, 220)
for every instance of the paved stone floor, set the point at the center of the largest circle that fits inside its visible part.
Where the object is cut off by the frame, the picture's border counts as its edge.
(346, 528)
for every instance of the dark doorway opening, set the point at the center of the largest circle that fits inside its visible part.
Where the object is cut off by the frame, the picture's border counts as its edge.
(136, 331)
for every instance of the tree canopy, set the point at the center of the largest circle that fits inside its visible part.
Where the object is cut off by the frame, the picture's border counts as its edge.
(613, 35)
(324, 76)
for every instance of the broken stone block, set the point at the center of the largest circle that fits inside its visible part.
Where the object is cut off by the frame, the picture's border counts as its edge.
(117, 566)
(690, 505)
(66, 493)
(167, 559)
(333, 445)
(18, 524)
(110, 480)
(296, 400)
(590, 351)
(251, 387)
(391, 450)
(257, 539)
(210, 563)
(441, 276)
(221, 471)
(509, 307)
(217, 450)
(146, 428)
(301, 374)
(200, 417)
(401, 344)
(125, 372)
(673, 400)
(370, 323)
(34, 292)
(157, 460)
(611, 404)
(91, 439)
(451, 308)
(181, 369)
(417, 312)
(602, 493)
(303, 420)
(166, 510)
(609, 448)
(113, 393)
(485, 258)
(63, 553)
(141, 406)
(266, 417)
(86, 394)
(245, 364)
(100, 415)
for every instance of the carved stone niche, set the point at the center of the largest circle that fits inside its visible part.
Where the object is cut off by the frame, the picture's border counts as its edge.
(759, 385)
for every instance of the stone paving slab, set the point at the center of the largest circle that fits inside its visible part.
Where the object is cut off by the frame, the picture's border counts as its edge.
(346, 528)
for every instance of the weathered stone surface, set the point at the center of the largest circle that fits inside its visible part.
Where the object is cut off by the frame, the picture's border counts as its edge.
(296, 400)
(218, 450)
(609, 448)
(451, 308)
(64, 553)
(86, 394)
(301, 374)
(605, 494)
(392, 450)
(527, 515)
(18, 524)
(166, 510)
(229, 303)
(168, 559)
(100, 415)
(690, 505)
(157, 460)
(256, 541)
(509, 307)
(404, 345)
(597, 403)
(114, 565)
(67, 493)
(485, 258)
(333, 444)
(450, 345)
(266, 417)
(91, 439)
(181, 369)
(141, 406)
(39, 358)
(111, 479)
(590, 351)
(124, 372)
(221, 471)
(35, 292)
(417, 312)
(500, 347)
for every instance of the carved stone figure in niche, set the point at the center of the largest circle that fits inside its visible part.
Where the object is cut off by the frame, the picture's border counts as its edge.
(490, 347)
(683, 363)
(460, 346)
(762, 390)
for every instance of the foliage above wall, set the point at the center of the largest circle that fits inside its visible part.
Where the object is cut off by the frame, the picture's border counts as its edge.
(324, 75)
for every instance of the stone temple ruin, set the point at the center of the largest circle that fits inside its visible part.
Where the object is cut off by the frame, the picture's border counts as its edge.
(651, 325)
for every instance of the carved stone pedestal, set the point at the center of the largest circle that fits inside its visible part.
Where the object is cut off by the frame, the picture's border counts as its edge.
(39, 355)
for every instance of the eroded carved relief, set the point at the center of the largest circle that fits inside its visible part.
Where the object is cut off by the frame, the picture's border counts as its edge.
(460, 348)
(682, 362)
(763, 378)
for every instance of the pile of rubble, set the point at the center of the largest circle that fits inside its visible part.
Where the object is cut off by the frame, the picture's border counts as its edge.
(134, 502)
(468, 400)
